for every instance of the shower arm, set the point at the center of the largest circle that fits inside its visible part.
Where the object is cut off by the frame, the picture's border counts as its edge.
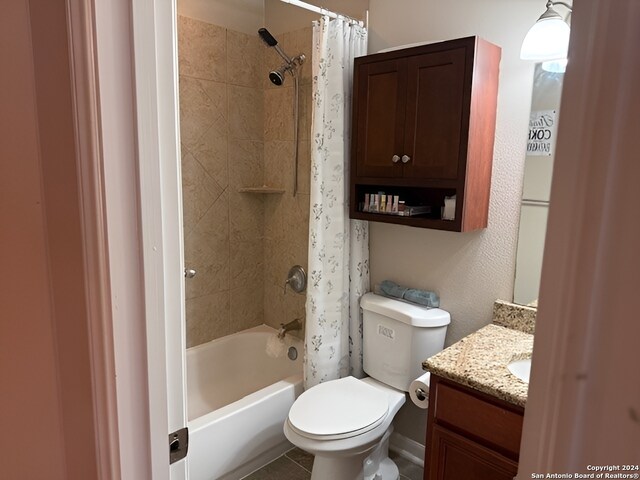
(285, 57)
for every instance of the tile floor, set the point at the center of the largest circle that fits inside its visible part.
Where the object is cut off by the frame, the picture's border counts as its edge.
(296, 465)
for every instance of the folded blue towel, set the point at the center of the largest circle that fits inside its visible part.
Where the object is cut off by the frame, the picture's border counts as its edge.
(423, 297)
(392, 289)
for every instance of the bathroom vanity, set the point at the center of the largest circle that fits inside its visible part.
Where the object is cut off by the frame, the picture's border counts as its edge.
(471, 435)
(476, 406)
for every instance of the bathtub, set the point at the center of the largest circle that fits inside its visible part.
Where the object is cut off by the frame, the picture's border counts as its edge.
(237, 401)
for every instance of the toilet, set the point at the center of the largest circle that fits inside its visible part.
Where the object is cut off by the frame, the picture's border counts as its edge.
(346, 423)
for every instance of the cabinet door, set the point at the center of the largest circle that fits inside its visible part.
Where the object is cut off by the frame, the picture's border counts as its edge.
(453, 457)
(380, 114)
(435, 114)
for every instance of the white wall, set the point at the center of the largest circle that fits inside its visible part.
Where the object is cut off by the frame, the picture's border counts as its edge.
(281, 17)
(469, 270)
(245, 16)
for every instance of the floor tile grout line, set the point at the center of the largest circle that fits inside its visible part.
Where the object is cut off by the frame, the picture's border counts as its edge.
(296, 463)
(301, 466)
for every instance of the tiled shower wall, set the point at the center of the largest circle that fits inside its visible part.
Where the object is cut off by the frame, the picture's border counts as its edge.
(286, 217)
(237, 131)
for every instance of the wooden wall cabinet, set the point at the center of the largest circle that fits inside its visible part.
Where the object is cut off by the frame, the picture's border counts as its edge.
(423, 128)
(470, 435)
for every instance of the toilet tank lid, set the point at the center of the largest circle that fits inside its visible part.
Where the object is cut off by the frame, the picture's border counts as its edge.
(405, 312)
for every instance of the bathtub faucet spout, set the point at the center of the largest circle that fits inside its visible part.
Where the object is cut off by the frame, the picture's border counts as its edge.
(293, 325)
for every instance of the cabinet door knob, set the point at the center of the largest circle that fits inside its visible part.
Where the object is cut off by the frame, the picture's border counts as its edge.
(395, 159)
(405, 158)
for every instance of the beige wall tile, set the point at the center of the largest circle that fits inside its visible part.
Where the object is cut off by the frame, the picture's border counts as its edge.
(278, 163)
(207, 251)
(299, 227)
(201, 50)
(286, 234)
(278, 117)
(304, 116)
(246, 165)
(278, 257)
(207, 318)
(244, 59)
(246, 216)
(247, 262)
(246, 113)
(211, 152)
(238, 131)
(273, 305)
(247, 308)
(199, 191)
(304, 166)
(203, 107)
(294, 307)
(302, 40)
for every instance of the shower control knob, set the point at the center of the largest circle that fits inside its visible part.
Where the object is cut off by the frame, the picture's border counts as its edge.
(405, 158)
(189, 273)
(395, 159)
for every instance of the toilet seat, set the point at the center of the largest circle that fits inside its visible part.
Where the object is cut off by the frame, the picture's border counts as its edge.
(338, 409)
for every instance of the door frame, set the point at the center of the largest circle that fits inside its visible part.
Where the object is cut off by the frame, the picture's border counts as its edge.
(154, 24)
(124, 75)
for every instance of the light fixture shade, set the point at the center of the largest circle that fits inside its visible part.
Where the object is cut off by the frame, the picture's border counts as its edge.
(555, 66)
(548, 39)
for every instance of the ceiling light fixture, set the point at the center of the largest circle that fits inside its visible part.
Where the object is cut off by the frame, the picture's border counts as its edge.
(548, 38)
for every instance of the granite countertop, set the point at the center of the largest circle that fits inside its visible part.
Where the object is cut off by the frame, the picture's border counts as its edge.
(480, 361)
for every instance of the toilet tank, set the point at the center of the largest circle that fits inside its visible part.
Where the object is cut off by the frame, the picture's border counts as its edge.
(398, 337)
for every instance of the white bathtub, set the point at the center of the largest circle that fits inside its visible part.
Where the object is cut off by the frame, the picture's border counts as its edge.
(238, 399)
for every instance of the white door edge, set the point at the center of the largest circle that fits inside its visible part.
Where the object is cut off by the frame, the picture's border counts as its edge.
(156, 78)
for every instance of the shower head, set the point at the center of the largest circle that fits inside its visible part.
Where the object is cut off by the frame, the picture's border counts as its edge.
(277, 76)
(267, 37)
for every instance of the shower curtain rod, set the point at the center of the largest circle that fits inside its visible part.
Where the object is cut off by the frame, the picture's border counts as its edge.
(324, 11)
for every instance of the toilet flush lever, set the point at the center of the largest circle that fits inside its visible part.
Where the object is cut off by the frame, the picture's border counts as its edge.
(189, 273)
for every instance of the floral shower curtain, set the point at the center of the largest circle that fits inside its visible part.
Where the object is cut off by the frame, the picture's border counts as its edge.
(338, 247)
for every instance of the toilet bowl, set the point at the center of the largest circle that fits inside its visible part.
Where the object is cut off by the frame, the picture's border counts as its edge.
(346, 423)
(342, 422)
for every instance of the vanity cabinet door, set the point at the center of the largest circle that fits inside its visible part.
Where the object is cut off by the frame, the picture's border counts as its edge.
(454, 457)
(470, 435)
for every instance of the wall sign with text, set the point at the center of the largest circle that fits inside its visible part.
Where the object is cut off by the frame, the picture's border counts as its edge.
(542, 133)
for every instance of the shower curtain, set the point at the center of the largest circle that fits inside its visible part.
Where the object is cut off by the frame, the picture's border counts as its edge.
(338, 246)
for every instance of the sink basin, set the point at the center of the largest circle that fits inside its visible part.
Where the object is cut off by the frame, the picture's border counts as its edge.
(521, 369)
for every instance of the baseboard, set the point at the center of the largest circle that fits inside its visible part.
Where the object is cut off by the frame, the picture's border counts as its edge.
(258, 462)
(407, 448)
